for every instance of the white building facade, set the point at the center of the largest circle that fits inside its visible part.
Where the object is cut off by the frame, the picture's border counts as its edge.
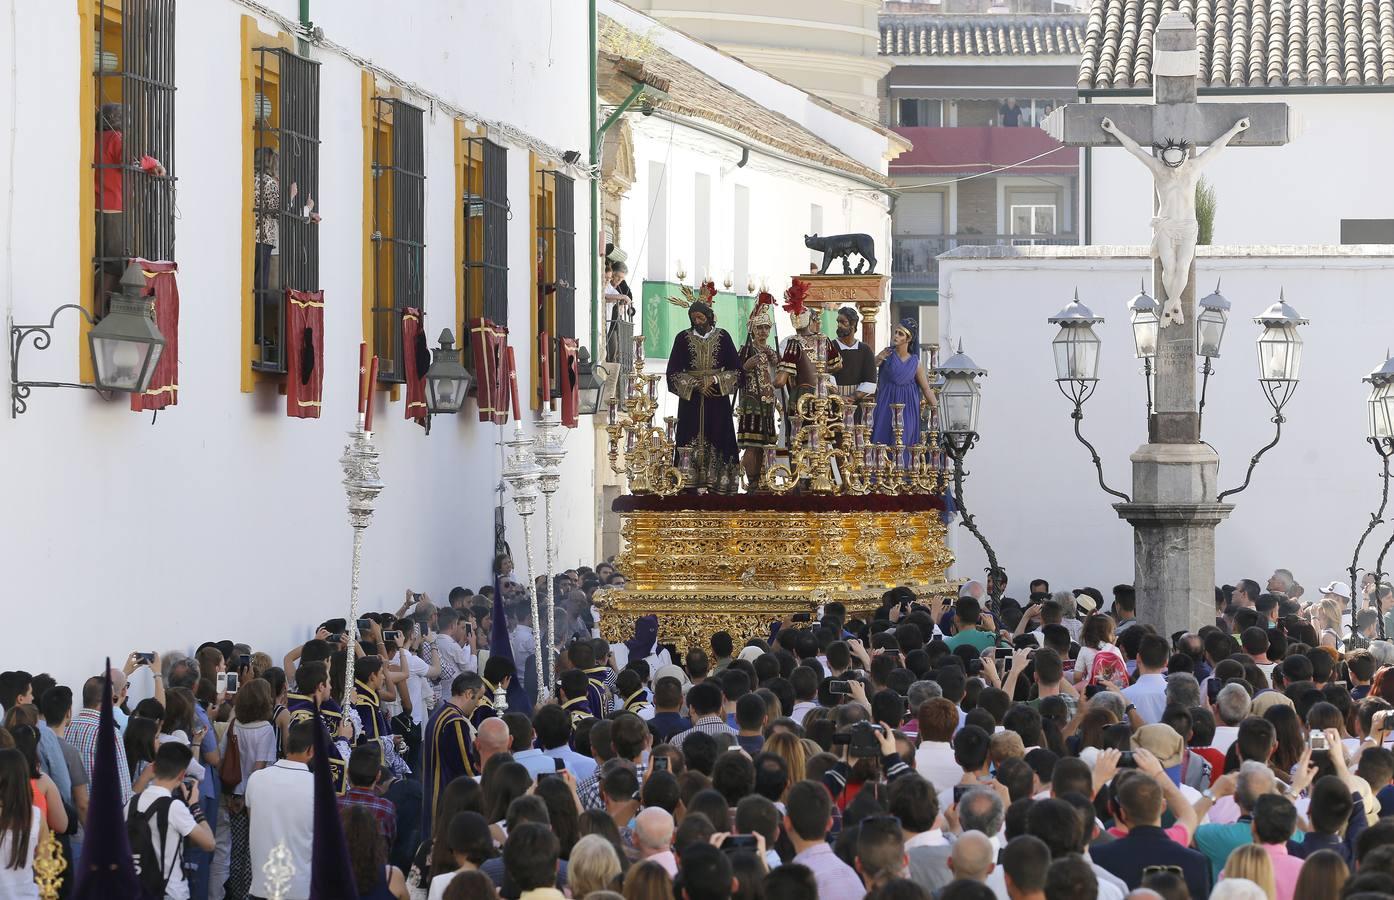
(225, 517)
(1032, 487)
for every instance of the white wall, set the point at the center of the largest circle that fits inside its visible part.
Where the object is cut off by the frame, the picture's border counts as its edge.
(1336, 168)
(226, 518)
(1032, 487)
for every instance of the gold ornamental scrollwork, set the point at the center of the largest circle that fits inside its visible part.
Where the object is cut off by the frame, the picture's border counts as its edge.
(703, 572)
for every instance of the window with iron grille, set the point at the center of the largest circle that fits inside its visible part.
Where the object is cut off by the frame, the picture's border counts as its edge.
(399, 227)
(485, 208)
(133, 159)
(556, 241)
(285, 193)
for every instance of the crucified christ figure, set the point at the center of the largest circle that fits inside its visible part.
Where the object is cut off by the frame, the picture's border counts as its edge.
(1174, 228)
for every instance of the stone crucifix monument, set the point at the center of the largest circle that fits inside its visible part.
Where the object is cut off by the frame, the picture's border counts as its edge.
(1174, 512)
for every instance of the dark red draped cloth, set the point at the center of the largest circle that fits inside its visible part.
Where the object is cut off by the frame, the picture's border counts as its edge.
(414, 367)
(487, 343)
(569, 377)
(304, 354)
(163, 389)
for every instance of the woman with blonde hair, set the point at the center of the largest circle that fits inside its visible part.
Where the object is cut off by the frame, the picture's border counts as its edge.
(1251, 862)
(792, 751)
(1322, 877)
(1326, 619)
(645, 881)
(594, 866)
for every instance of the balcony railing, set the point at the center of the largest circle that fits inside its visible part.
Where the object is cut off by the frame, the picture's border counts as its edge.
(619, 344)
(914, 256)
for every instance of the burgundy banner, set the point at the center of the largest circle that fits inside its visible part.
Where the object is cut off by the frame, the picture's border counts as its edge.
(164, 383)
(488, 342)
(304, 354)
(413, 366)
(569, 378)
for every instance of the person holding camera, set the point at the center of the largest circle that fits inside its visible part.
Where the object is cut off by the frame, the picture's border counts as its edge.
(161, 818)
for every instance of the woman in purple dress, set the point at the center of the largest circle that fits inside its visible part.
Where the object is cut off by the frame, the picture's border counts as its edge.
(899, 379)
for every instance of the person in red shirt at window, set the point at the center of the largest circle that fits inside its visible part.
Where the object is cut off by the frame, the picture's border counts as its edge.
(109, 169)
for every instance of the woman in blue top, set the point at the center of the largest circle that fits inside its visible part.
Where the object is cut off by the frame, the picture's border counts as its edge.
(899, 379)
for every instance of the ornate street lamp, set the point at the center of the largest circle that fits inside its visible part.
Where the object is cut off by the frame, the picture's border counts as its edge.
(1146, 324)
(1380, 407)
(125, 345)
(1210, 331)
(1076, 349)
(447, 382)
(1279, 363)
(959, 401)
(592, 380)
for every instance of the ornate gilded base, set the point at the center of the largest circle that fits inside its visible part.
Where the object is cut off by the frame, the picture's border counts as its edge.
(735, 570)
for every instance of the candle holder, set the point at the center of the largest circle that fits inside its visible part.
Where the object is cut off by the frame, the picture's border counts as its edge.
(550, 450)
(649, 451)
(521, 473)
(362, 484)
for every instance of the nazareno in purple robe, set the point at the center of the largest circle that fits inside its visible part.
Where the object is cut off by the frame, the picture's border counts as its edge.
(706, 424)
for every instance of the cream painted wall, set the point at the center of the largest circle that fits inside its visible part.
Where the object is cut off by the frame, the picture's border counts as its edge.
(225, 518)
(827, 47)
(1032, 487)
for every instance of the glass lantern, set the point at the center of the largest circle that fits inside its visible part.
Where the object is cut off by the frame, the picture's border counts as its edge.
(1146, 324)
(592, 378)
(126, 345)
(447, 382)
(1210, 324)
(960, 396)
(1280, 346)
(1380, 405)
(1076, 346)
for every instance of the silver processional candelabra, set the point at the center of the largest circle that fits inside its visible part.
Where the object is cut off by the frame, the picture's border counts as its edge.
(550, 451)
(362, 484)
(520, 472)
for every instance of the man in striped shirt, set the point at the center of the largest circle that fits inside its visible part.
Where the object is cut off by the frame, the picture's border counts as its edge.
(82, 734)
(704, 705)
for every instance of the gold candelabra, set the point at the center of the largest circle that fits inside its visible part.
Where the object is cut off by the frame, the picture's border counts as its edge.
(831, 451)
(648, 450)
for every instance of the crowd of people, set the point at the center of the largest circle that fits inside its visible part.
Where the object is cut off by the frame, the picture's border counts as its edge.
(957, 748)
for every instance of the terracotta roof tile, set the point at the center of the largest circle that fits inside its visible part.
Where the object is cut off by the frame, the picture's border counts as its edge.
(1245, 43)
(929, 34)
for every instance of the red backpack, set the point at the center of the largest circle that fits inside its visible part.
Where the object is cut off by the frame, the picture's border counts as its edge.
(1108, 666)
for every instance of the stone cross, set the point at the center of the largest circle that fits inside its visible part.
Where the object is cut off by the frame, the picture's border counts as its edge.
(1173, 509)
(1174, 125)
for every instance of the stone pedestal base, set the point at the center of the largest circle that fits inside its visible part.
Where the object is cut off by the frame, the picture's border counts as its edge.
(1174, 515)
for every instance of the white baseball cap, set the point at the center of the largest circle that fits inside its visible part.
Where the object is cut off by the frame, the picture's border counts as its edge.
(1339, 588)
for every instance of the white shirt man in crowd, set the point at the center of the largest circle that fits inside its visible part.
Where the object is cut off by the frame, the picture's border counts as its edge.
(281, 800)
(184, 819)
(653, 837)
(1148, 694)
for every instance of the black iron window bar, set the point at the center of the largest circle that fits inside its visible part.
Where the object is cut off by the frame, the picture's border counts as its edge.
(486, 212)
(399, 169)
(285, 195)
(557, 242)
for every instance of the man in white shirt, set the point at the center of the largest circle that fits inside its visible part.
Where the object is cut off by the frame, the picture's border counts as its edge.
(281, 800)
(934, 760)
(1231, 708)
(184, 818)
(1149, 692)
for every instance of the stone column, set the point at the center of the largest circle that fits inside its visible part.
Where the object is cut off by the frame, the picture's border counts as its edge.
(1174, 515)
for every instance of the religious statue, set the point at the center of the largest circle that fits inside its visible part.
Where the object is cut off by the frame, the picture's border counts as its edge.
(759, 404)
(1174, 228)
(856, 379)
(841, 246)
(798, 357)
(703, 370)
(900, 379)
